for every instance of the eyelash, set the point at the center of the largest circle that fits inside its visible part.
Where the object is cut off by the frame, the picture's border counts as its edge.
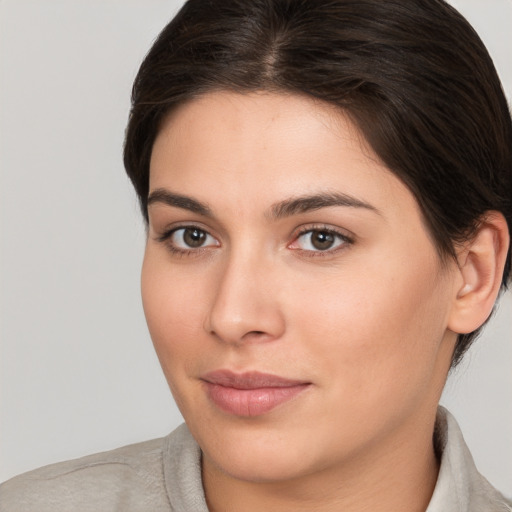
(322, 228)
(346, 241)
(178, 251)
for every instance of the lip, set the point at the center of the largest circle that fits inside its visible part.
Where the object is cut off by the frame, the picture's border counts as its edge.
(251, 393)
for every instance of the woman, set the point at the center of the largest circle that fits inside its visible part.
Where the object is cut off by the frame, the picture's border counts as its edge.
(327, 192)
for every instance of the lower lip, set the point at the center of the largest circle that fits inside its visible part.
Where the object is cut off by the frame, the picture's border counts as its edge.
(251, 402)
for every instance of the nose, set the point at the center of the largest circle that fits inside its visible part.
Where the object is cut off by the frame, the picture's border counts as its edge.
(245, 307)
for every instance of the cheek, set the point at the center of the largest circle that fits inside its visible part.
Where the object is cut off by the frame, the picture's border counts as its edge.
(173, 305)
(380, 330)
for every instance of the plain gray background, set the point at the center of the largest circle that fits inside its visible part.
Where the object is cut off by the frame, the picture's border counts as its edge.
(77, 369)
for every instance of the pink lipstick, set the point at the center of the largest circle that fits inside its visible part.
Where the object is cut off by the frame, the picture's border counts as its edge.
(250, 393)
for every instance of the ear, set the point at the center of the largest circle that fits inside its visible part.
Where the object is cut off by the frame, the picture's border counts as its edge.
(481, 262)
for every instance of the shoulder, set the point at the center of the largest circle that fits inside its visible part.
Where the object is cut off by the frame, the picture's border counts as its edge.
(128, 478)
(460, 486)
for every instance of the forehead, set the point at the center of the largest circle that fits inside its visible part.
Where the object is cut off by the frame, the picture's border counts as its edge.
(262, 147)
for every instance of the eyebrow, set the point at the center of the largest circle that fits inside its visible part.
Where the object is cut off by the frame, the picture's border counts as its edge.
(282, 209)
(307, 203)
(164, 196)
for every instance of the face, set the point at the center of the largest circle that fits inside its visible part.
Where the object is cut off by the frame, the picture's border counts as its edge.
(294, 297)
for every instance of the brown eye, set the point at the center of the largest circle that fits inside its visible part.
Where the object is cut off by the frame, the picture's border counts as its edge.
(192, 238)
(319, 240)
(322, 240)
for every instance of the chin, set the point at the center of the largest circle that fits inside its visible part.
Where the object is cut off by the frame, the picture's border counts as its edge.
(256, 451)
(273, 464)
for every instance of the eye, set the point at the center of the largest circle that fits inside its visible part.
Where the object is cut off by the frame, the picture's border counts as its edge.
(190, 238)
(319, 240)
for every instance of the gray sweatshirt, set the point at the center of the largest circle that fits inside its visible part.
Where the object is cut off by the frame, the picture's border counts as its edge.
(164, 475)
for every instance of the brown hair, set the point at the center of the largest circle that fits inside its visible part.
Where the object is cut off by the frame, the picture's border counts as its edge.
(412, 74)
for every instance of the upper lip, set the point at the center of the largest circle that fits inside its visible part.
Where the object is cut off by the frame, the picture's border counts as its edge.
(249, 380)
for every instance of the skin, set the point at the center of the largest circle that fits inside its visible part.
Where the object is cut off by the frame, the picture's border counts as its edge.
(366, 323)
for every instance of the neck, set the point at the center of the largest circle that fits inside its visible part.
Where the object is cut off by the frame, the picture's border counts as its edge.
(397, 475)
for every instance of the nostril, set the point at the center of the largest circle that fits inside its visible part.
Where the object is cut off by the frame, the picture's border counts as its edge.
(255, 336)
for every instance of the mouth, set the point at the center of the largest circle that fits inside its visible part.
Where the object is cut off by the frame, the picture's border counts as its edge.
(251, 393)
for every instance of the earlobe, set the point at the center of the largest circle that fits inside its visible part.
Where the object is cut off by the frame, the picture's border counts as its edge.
(481, 262)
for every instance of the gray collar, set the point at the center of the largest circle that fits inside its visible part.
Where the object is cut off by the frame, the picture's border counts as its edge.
(460, 487)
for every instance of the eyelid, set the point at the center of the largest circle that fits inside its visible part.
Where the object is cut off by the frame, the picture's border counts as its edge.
(343, 235)
(166, 238)
(161, 234)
